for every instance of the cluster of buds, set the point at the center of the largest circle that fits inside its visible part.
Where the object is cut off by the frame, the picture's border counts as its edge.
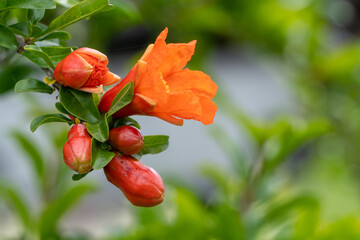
(103, 136)
(141, 184)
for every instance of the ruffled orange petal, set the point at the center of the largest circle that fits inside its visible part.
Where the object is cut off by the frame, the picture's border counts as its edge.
(149, 82)
(183, 105)
(168, 58)
(196, 81)
(208, 111)
(156, 53)
(177, 57)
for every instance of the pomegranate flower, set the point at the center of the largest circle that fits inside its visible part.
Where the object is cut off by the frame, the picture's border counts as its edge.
(85, 69)
(164, 89)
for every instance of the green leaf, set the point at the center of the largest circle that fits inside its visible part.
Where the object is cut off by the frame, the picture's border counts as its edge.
(61, 108)
(99, 157)
(38, 121)
(17, 200)
(126, 121)
(35, 15)
(123, 98)
(155, 144)
(100, 130)
(77, 177)
(56, 54)
(54, 211)
(31, 4)
(36, 55)
(28, 147)
(62, 35)
(7, 39)
(79, 104)
(76, 13)
(10, 74)
(20, 28)
(32, 85)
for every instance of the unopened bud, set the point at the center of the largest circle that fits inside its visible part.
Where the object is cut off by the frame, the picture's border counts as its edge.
(126, 139)
(141, 184)
(77, 149)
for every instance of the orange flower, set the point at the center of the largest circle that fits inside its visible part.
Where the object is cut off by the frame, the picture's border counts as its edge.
(164, 89)
(85, 69)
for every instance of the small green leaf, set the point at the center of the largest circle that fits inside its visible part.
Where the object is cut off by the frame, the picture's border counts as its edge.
(32, 85)
(99, 157)
(77, 177)
(38, 121)
(76, 13)
(7, 39)
(123, 98)
(61, 108)
(100, 130)
(35, 15)
(33, 53)
(30, 4)
(79, 104)
(126, 121)
(155, 144)
(62, 35)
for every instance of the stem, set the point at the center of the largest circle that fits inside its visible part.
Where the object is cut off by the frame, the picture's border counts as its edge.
(254, 177)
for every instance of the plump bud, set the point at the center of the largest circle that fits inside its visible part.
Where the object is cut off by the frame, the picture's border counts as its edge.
(141, 185)
(126, 139)
(77, 149)
(85, 69)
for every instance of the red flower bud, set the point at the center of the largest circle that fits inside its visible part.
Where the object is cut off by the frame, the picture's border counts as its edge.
(141, 185)
(77, 149)
(85, 69)
(126, 139)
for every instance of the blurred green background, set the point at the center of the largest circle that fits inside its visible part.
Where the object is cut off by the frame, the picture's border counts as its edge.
(281, 160)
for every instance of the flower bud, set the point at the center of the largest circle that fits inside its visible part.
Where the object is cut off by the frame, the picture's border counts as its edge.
(141, 185)
(126, 139)
(85, 69)
(77, 149)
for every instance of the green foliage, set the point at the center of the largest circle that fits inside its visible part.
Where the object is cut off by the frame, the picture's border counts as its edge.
(99, 130)
(33, 85)
(99, 157)
(28, 4)
(37, 122)
(155, 144)
(8, 39)
(126, 121)
(122, 99)
(80, 104)
(42, 223)
(76, 13)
